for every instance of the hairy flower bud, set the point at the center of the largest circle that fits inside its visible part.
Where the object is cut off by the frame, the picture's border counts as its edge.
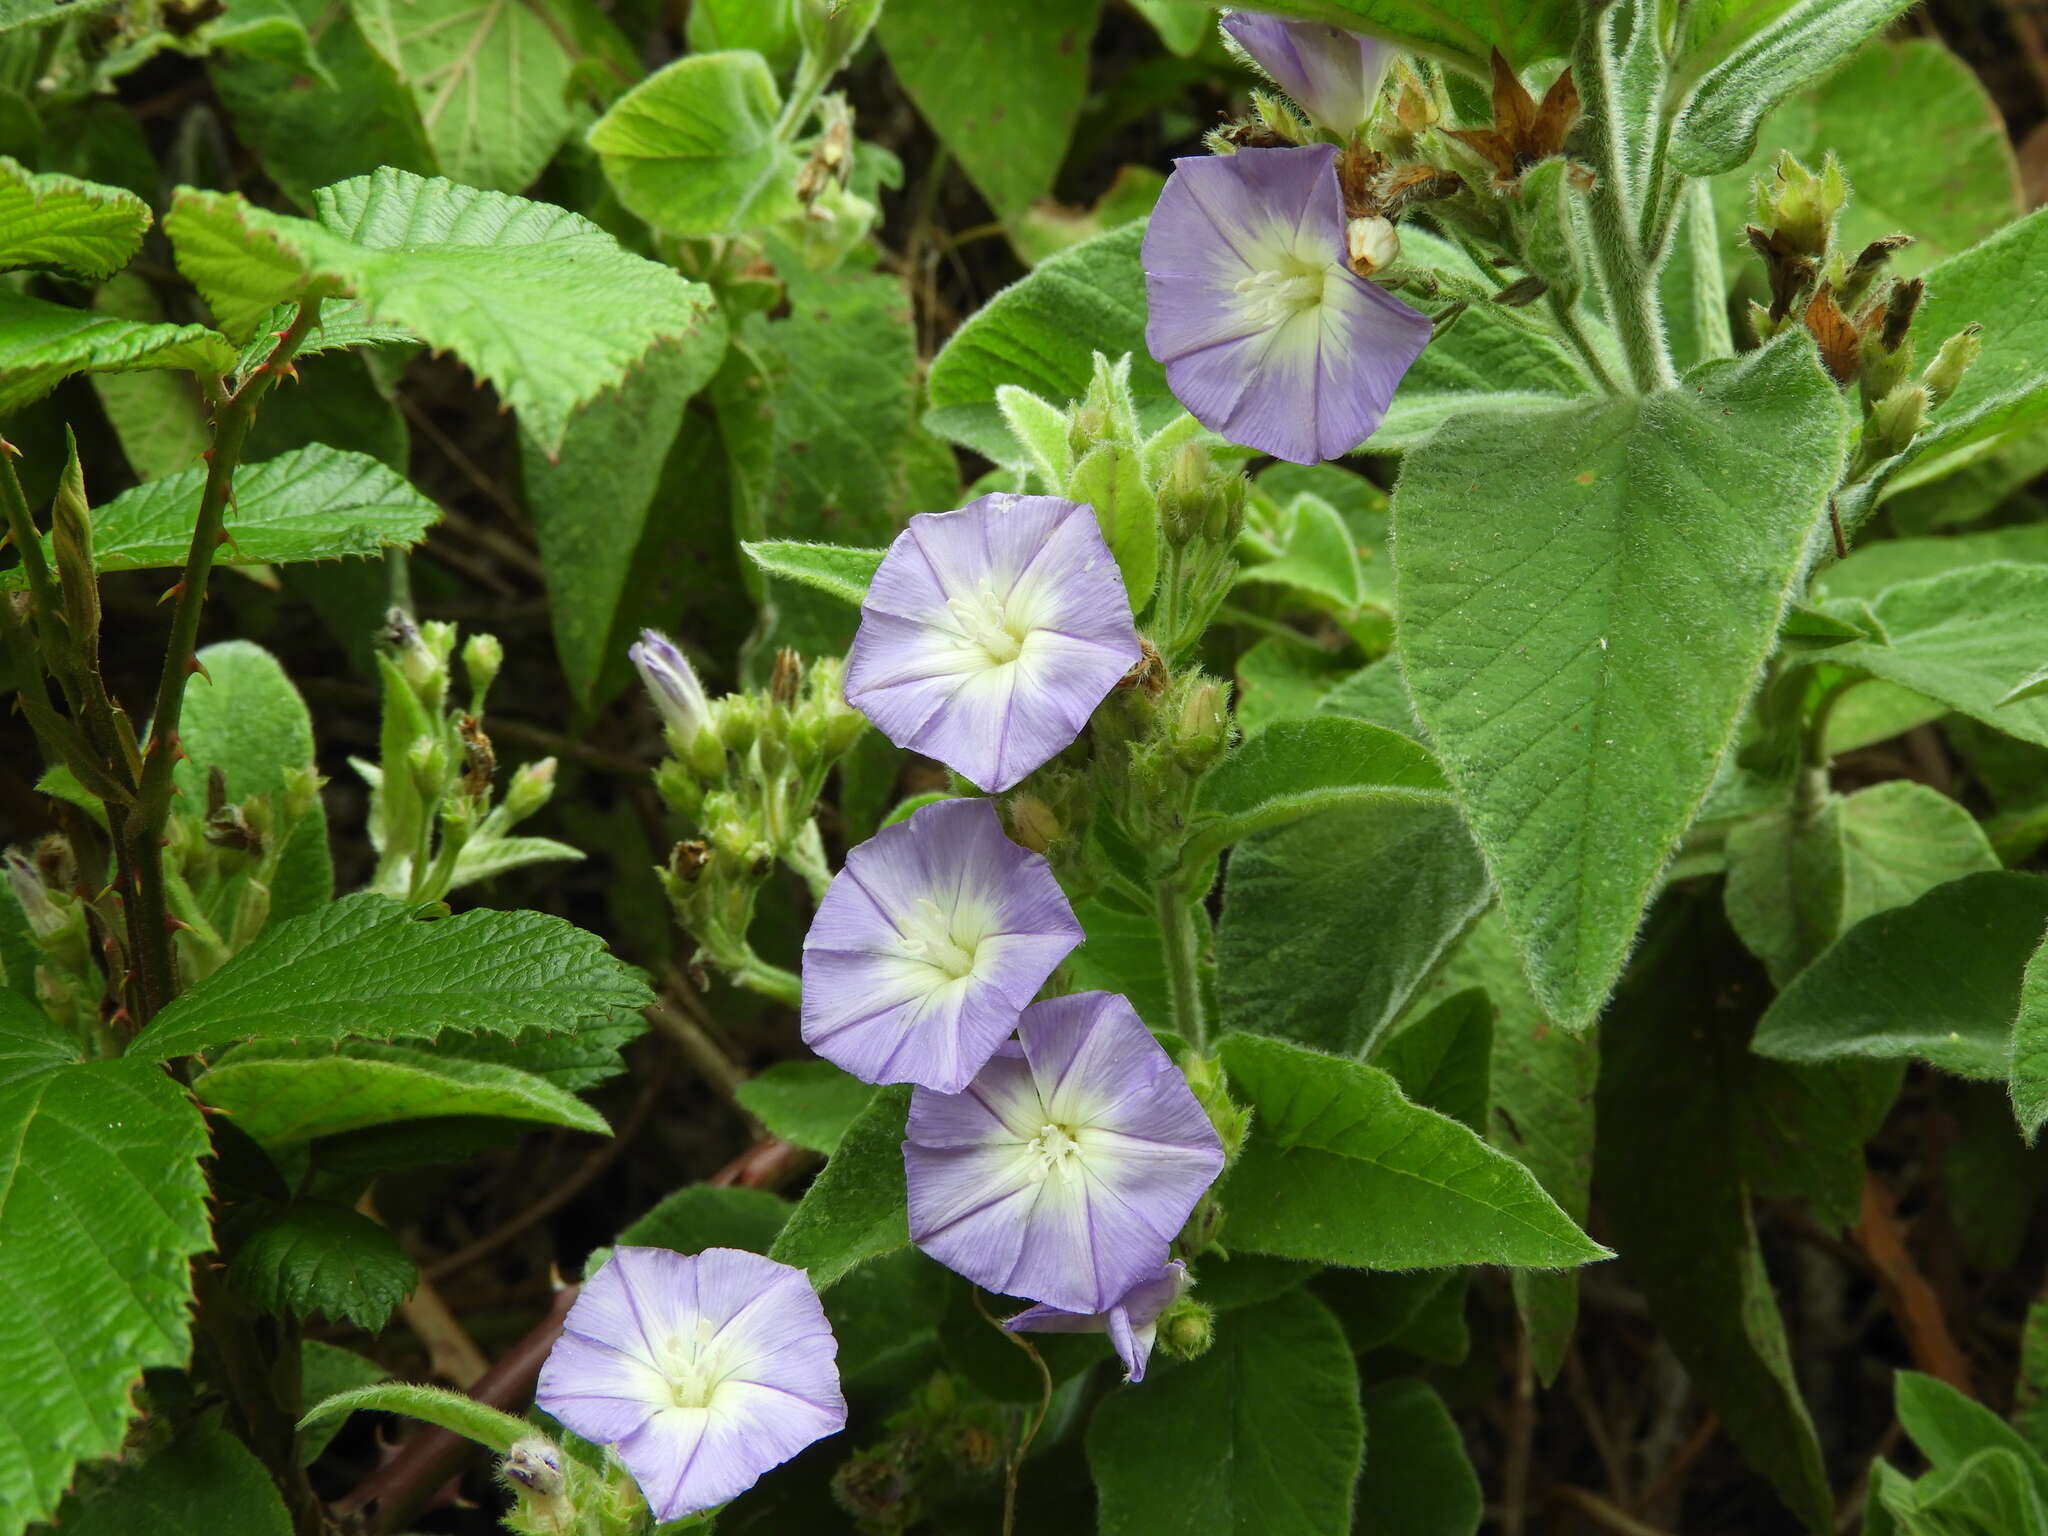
(44, 918)
(1894, 422)
(832, 30)
(531, 788)
(482, 657)
(1371, 244)
(1187, 1329)
(534, 1465)
(1800, 206)
(1951, 363)
(786, 678)
(1033, 823)
(424, 672)
(427, 761)
(672, 683)
(1201, 728)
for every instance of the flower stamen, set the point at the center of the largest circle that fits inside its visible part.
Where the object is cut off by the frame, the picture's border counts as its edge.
(1275, 295)
(1054, 1150)
(935, 944)
(987, 625)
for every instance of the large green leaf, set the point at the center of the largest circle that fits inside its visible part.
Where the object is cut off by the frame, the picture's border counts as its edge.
(282, 1092)
(2030, 1045)
(58, 221)
(1673, 1088)
(201, 1483)
(1968, 638)
(809, 1103)
(1041, 334)
(321, 1256)
(102, 1208)
(1717, 127)
(1418, 1480)
(245, 718)
(1001, 91)
(42, 343)
(363, 966)
(855, 1210)
(2005, 391)
(693, 149)
(698, 1216)
(591, 505)
(1261, 1436)
(1939, 979)
(491, 79)
(1799, 878)
(1298, 768)
(1950, 1428)
(1583, 665)
(1874, 569)
(837, 569)
(537, 301)
(1342, 1169)
(314, 503)
(1329, 925)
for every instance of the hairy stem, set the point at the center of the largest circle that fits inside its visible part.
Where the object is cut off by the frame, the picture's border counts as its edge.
(1630, 279)
(1568, 323)
(139, 841)
(1180, 934)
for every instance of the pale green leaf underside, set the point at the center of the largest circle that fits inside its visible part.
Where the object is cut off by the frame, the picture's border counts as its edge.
(836, 569)
(1342, 1169)
(1582, 663)
(42, 343)
(102, 1207)
(313, 503)
(283, 1093)
(57, 221)
(537, 301)
(362, 967)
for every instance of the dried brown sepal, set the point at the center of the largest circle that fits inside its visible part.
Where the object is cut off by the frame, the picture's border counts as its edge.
(1413, 184)
(479, 759)
(1899, 310)
(1524, 132)
(1840, 345)
(1786, 269)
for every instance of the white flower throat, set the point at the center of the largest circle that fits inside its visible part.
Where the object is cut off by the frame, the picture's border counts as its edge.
(692, 1365)
(1054, 1153)
(1279, 293)
(987, 625)
(933, 941)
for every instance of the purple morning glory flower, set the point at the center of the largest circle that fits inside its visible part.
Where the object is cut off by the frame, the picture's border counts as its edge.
(1268, 338)
(1132, 1323)
(1332, 75)
(990, 634)
(928, 945)
(701, 1372)
(672, 683)
(1069, 1164)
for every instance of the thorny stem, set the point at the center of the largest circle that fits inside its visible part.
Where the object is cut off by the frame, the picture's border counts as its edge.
(1182, 940)
(140, 840)
(1628, 276)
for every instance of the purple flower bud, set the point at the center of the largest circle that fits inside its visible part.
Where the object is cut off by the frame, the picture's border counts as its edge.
(1069, 1164)
(1332, 75)
(700, 1372)
(928, 946)
(1132, 1323)
(990, 634)
(672, 684)
(1268, 337)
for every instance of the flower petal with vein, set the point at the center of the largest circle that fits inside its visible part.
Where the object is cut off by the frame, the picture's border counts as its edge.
(1132, 1323)
(1068, 1165)
(1267, 336)
(990, 634)
(700, 1372)
(1332, 75)
(929, 945)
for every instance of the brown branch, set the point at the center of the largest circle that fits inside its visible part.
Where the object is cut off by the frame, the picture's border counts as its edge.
(1913, 1301)
(1603, 1513)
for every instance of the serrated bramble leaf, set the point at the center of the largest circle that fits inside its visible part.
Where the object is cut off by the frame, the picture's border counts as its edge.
(313, 503)
(1342, 1169)
(365, 967)
(1261, 1434)
(283, 1093)
(462, 1415)
(58, 221)
(317, 1256)
(41, 344)
(102, 1208)
(832, 568)
(693, 149)
(1581, 669)
(855, 1210)
(537, 301)
(202, 1483)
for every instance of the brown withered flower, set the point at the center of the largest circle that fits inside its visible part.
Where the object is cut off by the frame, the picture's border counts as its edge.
(1523, 132)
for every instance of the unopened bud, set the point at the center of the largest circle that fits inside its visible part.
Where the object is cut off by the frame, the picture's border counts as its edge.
(1033, 823)
(1187, 1328)
(71, 550)
(739, 723)
(1278, 119)
(1371, 244)
(1202, 728)
(787, 678)
(832, 29)
(1801, 207)
(44, 918)
(482, 657)
(533, 1464)
(687, 860)
(672, 683)
(1211, 1088)
(301, 792)
(1523, 290)
(423, 671)
(427, 761)
(531, 788)
(1946, 372)
(1894, 422)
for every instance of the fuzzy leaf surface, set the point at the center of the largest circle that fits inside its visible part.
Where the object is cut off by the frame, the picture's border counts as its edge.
(856, 1209)
(59, 221)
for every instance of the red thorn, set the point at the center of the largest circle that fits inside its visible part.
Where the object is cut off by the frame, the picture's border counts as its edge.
(206, 454)
(176, 925)
(280, 335)
(170, 592)
(193, 664)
